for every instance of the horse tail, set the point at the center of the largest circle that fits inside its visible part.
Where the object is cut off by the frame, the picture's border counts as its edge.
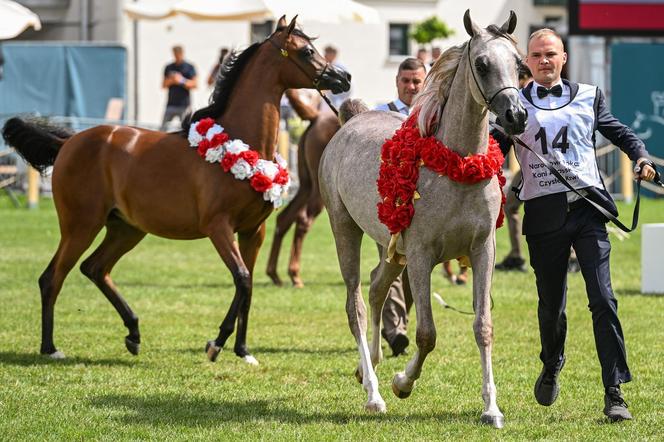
(349, 108)
(35, 140)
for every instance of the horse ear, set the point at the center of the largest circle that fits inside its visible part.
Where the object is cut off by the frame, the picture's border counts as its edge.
(471, 28)
(282, 22)
(291, 26)
(509, 26)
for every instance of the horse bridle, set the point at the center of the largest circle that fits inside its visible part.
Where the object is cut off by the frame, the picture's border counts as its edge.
(472, 71)
(315, 81)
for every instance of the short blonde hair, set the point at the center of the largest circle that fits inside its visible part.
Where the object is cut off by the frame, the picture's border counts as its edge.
(543, 33)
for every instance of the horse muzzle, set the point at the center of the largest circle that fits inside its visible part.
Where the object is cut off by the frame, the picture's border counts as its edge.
(514, 119)
(335, 79)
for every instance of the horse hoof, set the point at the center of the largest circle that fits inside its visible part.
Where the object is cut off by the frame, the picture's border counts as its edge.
(398, 392)
(212, 351)
(58, 355)
(358, 375)
(376, 406)
(133, 347)
(275, 278)
(495, 421)
(250, 360)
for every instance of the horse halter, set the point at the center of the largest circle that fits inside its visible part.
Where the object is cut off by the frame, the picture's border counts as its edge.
(315, 81)
(479, 88)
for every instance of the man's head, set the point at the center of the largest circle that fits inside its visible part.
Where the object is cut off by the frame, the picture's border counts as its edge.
(435, 53)
(410, 78)
(546, 56)
(178, 54)
(330, 54)
(422, 55)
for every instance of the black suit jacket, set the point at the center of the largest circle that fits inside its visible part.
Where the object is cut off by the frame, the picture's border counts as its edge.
(548, 213)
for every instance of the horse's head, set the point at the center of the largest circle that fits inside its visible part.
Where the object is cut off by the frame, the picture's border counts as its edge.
(493, 68)
(302, 66)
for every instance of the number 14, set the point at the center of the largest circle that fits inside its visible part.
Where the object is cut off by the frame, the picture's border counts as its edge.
(559, 141)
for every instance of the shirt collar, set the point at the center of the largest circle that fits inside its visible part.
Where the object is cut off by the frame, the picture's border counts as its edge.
(401, 105)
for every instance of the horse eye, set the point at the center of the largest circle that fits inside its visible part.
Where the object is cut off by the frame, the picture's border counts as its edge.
(308, 51)
(481, 67)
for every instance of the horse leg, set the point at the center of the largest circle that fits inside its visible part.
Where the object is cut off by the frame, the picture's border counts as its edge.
(120, 238)
(348, 239)
(304, 223)
(482, 263)
(222, 237)
(250, 244)
(285, 220)
(293, 210)
(419, 267)
(382, 277)
(75, 239)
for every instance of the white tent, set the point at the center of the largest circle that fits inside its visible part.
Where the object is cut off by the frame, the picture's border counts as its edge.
(15, 19)
(325, 11)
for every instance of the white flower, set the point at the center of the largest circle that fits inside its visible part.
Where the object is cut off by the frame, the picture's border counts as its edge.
(241, 169)
(214, 130)
(194, 137)
(267, 168)
(236, 146)
(214, 155)
(280, 160)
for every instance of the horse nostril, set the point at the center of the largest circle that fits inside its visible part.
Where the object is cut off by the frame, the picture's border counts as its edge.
(348, 76)
(509, 116)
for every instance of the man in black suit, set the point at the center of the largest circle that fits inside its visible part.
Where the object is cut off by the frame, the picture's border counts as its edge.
(562, 119)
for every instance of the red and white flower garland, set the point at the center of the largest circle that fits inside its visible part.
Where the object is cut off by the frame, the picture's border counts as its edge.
(401, 158)
(236, 157)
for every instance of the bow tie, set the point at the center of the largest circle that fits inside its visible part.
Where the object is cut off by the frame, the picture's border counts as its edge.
(556, 91)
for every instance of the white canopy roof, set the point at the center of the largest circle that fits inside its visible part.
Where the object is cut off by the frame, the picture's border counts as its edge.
(15, 19)
(326, 11)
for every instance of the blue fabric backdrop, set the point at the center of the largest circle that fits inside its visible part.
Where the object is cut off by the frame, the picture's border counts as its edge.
(61, 79)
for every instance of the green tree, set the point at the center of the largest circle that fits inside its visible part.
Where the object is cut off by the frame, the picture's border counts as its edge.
(430, 29)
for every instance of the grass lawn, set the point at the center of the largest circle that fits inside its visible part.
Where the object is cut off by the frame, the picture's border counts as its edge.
(304, 387)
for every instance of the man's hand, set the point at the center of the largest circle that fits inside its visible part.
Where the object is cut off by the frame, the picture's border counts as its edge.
(644, 171)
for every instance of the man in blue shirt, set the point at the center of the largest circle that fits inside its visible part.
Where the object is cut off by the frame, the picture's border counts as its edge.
(179, 79)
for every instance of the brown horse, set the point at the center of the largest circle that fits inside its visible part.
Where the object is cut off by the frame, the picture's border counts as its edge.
(136, 181)
(307, 203)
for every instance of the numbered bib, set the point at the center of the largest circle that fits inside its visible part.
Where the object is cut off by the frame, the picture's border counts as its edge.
(564, 136)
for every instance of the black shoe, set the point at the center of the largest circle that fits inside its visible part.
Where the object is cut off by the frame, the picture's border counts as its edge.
(573, 266)
(547, 387)
(512, 263)
(615, 407)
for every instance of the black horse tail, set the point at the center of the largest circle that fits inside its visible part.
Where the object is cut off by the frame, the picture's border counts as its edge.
(350, 108)
(35, 140)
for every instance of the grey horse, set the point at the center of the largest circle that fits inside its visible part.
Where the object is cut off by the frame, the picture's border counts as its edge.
(451, 219)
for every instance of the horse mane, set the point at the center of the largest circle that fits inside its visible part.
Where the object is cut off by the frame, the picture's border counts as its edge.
(431, 101)
(227, 77)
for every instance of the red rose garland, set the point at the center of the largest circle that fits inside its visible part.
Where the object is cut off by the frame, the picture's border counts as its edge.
(215, 146)
(401, 158)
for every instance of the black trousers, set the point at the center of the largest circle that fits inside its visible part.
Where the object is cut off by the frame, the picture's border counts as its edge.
(584, 229)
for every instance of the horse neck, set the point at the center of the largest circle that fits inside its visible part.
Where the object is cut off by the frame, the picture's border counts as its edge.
(252, 114)
(464, 126)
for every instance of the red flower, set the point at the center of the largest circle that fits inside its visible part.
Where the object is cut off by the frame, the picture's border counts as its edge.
(203, 125)
(474, 169)
(282, 176)
(455, 169)
(261, 182)
(219, 139)
(228, 161)
(203, 147)
(250, 156)
(402, 216)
